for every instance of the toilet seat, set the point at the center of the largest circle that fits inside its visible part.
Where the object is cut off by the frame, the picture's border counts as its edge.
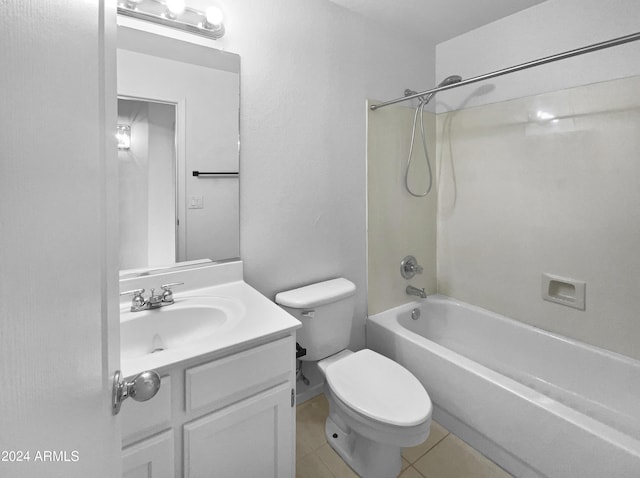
(379, 389)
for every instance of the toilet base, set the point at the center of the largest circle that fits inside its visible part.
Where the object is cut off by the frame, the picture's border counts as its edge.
(367, 458)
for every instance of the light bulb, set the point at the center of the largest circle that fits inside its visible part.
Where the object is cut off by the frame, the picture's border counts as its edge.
(175, 7)
(214, 16)
(123, 136)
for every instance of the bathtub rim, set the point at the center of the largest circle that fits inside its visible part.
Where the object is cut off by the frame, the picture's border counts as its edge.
(440, 298)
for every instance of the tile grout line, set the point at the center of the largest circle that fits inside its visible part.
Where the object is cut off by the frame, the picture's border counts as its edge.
(434, 445)
(438, 443)
(329, 467)
(416, 470)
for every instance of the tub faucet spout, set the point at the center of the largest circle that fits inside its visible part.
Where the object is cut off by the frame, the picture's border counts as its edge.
(415, 291)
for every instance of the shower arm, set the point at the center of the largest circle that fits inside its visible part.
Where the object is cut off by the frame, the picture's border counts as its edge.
(522, 66)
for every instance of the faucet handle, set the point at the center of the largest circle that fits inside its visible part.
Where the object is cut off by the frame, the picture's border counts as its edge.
(170, 285)
(134, 292)
(167, 295)
(409, 267)
(138, 301)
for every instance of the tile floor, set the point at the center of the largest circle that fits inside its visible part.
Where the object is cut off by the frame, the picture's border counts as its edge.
(443, 455)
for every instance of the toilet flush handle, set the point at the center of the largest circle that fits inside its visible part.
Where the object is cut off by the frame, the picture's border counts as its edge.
(309, 314)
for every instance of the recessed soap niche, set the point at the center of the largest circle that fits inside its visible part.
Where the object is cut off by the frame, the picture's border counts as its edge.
(564, 291)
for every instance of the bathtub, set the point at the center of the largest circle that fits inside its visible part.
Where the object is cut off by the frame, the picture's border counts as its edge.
(536, 403)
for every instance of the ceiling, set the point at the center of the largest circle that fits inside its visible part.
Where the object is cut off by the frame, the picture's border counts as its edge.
(435, 21)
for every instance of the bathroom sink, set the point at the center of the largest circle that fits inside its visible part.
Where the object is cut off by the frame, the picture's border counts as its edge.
(188, 321)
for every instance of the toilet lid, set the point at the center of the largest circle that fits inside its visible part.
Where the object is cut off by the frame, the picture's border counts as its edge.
(379, 388)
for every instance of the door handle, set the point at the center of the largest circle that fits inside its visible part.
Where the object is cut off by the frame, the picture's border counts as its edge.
(142, 388)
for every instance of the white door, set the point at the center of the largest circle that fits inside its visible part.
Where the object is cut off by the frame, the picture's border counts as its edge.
(58, 241)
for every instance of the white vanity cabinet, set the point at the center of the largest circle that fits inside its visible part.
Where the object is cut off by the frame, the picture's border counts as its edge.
(224, 415)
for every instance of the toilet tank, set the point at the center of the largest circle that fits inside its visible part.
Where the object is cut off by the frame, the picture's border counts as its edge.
(326, 312)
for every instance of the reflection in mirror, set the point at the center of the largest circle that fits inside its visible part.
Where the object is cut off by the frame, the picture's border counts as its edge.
(181, 104)
(147, 182)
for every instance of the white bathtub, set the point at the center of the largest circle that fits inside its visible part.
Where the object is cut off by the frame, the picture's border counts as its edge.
(536, 403)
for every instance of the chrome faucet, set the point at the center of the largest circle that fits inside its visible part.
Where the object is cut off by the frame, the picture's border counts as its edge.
(415, 291)
(139, 303)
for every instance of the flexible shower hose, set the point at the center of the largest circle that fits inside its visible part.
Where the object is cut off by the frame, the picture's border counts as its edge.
(419, 110)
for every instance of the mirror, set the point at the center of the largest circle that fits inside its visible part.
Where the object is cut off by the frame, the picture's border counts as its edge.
(178, 119)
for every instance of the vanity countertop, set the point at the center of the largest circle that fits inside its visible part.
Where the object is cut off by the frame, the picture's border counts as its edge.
(260, 320)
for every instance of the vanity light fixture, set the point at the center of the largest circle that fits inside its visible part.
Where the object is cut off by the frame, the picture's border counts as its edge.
(176, 14)
(123, 135)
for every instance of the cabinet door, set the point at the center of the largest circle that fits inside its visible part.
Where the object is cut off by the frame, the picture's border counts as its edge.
(251, 438)
(152, 458)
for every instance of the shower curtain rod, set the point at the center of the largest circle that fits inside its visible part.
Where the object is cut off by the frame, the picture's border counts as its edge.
(522, 66)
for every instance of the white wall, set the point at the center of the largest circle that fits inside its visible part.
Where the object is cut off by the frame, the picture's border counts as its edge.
(519, 197)
(307, 70)
(545, 29)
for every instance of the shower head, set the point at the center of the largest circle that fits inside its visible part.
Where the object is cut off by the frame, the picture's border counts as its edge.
(450, 80)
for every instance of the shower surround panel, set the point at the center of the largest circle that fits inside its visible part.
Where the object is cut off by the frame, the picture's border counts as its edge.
(545, 184)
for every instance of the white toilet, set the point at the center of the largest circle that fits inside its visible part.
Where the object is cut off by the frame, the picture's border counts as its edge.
(377, 407)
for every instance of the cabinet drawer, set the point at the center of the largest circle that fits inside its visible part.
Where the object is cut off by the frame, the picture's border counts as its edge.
(229, 379)
(140, 419)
